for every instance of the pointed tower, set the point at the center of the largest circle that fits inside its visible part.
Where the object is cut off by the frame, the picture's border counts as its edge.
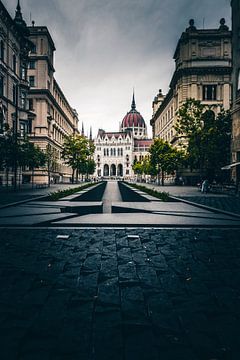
(134, 122)
(18, 16)
(90, 135)
(133, 102)
(82, 133)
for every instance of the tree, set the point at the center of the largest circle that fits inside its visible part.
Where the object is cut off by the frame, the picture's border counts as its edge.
(77, 152)
(51, 161)
(18, 151)
(205, 137)
(33, 157)
(165, 158)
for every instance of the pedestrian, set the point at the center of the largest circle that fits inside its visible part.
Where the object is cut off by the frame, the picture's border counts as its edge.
(205, 186)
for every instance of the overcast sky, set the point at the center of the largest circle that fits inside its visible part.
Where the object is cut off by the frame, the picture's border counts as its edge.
(107, 47)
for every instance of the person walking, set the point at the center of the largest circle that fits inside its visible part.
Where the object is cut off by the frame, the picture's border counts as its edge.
(205, 186)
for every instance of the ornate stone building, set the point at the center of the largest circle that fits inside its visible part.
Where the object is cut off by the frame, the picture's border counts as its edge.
(31, 101)
(116, 152)
(203, 65)
(54, 117)
(236, 91)
(14, 49)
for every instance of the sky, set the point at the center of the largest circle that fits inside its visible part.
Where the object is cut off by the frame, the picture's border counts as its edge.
(105, 48)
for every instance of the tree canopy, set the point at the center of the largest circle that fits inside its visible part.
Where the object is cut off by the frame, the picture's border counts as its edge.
(206, 138)
(165, 158)
(78, 153)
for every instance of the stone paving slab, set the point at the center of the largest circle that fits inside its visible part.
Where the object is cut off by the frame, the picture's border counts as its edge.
(146, 219)
(31, 219)
(104, 295)
(28, 210)
(174, 207)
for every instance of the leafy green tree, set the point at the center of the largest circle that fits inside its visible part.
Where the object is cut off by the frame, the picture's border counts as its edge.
(33, 157)
(77, 152)
(164, 158)
(51, 161)
(205, 138)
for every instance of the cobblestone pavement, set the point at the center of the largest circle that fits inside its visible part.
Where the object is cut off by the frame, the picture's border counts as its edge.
(169, 294)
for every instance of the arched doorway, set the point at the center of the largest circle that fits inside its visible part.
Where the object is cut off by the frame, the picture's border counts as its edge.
(120, 170)
(106, 170)
(113, 170)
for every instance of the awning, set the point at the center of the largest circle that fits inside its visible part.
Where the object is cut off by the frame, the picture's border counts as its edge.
(228, 167)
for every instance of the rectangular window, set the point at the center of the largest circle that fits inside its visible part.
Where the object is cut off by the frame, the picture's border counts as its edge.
(14, 63)
(209, 92)
(23, 73)
(14, 94)
(30, 101)
(32, 64)
(23, 100)
(34, 49)
(23, 128)
(31, 81)
(1, 85)
(2, 50)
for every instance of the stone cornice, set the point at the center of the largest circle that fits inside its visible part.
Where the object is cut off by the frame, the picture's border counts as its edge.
(223, 70)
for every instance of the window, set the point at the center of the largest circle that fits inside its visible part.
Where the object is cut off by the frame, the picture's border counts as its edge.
(23, 100)
(14, 63)
(30, 101)
(23, 73)
(1, 85)
(14, 94)
(34, 49)
(32, 64)
(23, 128)
(2, 53)
(209, 92)
(31, 81)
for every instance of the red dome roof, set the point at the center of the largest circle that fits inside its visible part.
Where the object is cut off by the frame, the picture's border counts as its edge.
(133, 118)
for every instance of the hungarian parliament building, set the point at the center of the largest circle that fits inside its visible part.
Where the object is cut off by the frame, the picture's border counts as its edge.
(116, 152)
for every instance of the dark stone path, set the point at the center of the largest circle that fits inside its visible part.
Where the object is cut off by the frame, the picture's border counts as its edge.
(120, 294)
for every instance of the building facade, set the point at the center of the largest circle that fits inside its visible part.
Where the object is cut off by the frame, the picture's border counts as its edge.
(115, 152)
(236, 91)
(54, 118)
(31, 101)
(203, 65)
(14, 50)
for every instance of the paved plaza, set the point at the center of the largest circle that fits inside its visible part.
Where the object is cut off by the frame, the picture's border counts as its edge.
(120, 294)
(117, 279)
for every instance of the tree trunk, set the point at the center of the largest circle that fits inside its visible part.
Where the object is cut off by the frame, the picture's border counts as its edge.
(162, 174)
(73, 173)
(32, 177)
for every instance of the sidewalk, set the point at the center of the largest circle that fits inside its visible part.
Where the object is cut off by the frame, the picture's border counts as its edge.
(26, 192)
(224, 202)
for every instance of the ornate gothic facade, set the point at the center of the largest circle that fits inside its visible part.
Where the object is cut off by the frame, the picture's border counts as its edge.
(116, 152)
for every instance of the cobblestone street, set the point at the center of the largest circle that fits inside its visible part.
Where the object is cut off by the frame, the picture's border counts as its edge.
(120, 294)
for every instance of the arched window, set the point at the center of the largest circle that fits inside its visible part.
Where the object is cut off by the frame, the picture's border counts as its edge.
(114, 152)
